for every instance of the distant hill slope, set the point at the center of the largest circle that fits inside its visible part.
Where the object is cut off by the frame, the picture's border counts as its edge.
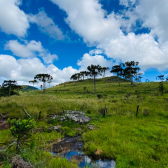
(27, 87)
(102, 84)
(110, 79)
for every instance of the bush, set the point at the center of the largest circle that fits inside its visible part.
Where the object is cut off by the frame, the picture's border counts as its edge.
(99, 96)
(89, 112)
(145, 111)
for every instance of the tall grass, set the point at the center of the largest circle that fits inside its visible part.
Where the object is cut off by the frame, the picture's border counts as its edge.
(132, 141)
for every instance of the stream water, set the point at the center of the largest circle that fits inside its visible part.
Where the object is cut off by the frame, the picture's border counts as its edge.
(71, 148)
(85, 161)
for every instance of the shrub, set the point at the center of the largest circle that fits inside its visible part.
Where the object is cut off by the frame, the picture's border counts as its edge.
(99, 96)
(145, 111)
(89, 112)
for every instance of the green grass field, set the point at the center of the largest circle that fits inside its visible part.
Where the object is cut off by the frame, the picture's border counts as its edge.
(140, 142)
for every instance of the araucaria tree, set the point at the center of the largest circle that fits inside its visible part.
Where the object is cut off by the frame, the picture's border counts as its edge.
(33, 81)
(83, 74)
(147, 80)
(73, 77)
(118, 70)
(130, 69)
(138, 77)
(94, 71)
(87, 74)
(104, 69)
(43, 78)
(76, 76)
(160, 77)
(9, 86)
(49, 81)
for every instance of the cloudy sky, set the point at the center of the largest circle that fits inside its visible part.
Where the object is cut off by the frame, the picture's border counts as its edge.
(62, 37)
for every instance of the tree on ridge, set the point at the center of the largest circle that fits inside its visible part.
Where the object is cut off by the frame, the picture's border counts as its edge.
(10, 86)
(33, 81)
(73, 77)
(76, 76)
(160, 77)
(130, 69)
(83, 74)
(94, 70)
(118, 70)
(104, 69)
(44, 78)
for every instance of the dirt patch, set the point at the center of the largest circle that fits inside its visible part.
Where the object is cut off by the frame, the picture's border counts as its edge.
(18, 162)
(3, 125)
(3, 119)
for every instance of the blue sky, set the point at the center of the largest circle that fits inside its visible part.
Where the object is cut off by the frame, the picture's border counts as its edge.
(62, 37)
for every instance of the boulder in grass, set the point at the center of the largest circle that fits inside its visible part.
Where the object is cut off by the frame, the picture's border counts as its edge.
(77, 116)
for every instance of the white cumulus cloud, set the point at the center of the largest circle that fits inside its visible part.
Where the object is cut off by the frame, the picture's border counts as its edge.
(88, 59)
(8, 66)
(24, 70)
(154, 15)
(12, 19)
(47, 25)
(89, 20)
(142, 48)
(30, 49)
(151, 13)
(127, 2)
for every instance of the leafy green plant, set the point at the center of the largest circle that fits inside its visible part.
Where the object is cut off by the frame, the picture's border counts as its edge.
(20, 129)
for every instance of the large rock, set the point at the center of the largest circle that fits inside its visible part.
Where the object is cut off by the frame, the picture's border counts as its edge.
(77, 116)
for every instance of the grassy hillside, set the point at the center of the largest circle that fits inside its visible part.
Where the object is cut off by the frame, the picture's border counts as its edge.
(132, 141)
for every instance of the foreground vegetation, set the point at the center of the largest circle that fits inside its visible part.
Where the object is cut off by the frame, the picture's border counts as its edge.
(133, 141)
